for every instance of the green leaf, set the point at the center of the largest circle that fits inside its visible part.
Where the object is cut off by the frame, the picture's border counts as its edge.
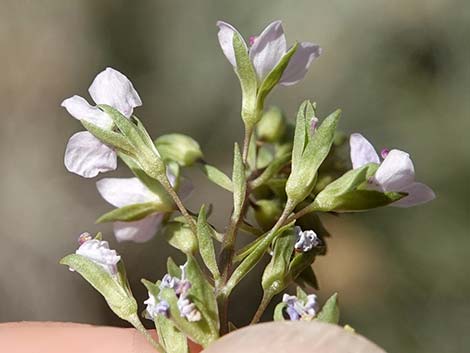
(300, 135)
(301, 295)
(124, 124)
(275, 75)
(347, 182)
(302, 178)
(299, 263)
(180, 236)
(251, 158)
(206, 246)
(255, 255)
(172, 268)
(180, 148)
(132, 212)
(279, 312)
(172, 339)
(248, 81)
(330, 311)
(203, 295)
(115, 295)
(217, 176)
(145, 137)
(152, 288)
(358, 200)
(239, 182)
(110, 138)
(274, 273)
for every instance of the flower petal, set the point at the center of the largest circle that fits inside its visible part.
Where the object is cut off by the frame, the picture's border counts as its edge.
(87, 156)
(138, 231)
(299, 63)
(121, 192)
(113, 88)
(418, 193)
(362, 151)
(268, 48)
(396, 171)
(79, 108)
(225, 35)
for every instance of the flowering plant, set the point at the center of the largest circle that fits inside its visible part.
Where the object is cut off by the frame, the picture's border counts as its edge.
(284, 177)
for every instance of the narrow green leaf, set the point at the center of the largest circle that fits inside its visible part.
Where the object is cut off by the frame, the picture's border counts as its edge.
(172, 339)
(206, 246)
(203, 295)
(253, 257)
(145, 137)
(111, 138)
(216, 176)
(347, 182)
(248, 81)
(131, 212)
(307, 278)
(115, 295)
(300, 135)
(330, 311)
(275, 75)
(358, 200)
(301, 294)
(172, 268)
(124, 124)
(251, 160)
(239, 182)
(299, 263)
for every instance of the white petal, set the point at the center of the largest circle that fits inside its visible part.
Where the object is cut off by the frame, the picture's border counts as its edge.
(299, 63)
(225, 35)
(87, 156)
(138, 231)
(396, 171)
(79, 108)
(418, 193)
(362, 151)
(121, 192)
(113, 88)
(268, 49)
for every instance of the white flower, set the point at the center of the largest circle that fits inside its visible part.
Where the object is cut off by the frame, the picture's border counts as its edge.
(268, 49)
(305, 240)
(85, 155)
(99, 252)
(396, 173)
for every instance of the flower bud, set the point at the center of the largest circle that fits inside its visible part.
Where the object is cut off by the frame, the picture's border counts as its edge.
(272, 125)
(99, 252)
(180, 148)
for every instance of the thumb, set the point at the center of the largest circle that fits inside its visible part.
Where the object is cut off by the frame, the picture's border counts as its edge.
(289, 336)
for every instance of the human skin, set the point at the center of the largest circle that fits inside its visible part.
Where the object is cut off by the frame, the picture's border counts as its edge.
(274, 337)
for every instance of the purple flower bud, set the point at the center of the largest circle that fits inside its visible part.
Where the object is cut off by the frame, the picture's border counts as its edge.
(384, 153)
(252, 40)
(85, 236)
(301, 309)
(313, 125)
(155, 307)
(188, 309)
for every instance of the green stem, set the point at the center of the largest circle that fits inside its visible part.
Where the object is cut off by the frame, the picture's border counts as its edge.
(246, 143)
(166, 184)
(134, 320)
(267, 296)
(306, 210)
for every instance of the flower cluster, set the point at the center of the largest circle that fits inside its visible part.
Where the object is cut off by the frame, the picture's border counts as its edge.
(285, 177)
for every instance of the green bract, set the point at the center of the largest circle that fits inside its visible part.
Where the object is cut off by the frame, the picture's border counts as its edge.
(309, 151)
(180, 148)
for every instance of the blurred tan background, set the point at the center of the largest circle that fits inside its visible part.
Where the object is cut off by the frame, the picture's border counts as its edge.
(399, 70)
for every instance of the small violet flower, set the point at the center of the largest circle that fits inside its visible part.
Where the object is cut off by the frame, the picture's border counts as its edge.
(267, 49)
(301, 310)
(85, 155)
(99, 252)
(305, 240)
(156, 307)
(396, 172)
